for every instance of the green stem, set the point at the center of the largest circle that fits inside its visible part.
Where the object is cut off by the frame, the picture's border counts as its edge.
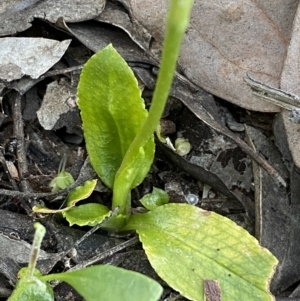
(36, 245)
(177, 22)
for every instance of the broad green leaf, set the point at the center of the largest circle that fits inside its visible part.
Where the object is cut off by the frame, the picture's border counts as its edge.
(112, 112)
(187, 245)
(31, 289)
(78, 194)
(157, 197)
(61, 181)
(109, 283)
(86, 215)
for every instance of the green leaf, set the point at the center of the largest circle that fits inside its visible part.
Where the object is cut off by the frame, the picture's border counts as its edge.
(31, 288)
(156, 198)
(109, 283)
(91, 215)
(124, 181)
(112, 112)
(187, 246)
(86, 215)
(44, 209)
(81, 192)
(61, 181)
(78, 194)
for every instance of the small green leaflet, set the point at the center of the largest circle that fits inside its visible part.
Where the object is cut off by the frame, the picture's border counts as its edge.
(157, 197)
(78, 194)
(61, 181)
(86, 215)
(82, 215)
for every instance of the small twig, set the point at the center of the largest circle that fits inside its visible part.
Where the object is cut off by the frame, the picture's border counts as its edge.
(19, 135)
(61, 71)
(84, 175)
(287, 299)
(278, 97)
(102, 255)
(106, 254)
(91, 231)
(18, 128)
(37, 195)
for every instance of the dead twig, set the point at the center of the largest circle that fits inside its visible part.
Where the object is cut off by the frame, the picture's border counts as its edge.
(106, 254)
(278, 97)
(18, 129)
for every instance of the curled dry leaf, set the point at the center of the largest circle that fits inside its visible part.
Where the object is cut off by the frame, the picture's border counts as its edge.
(226, 40)
(96, 36)
(118, 16)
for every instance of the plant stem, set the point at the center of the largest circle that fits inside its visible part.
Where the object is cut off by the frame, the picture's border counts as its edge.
(177, 22)
(36, 245)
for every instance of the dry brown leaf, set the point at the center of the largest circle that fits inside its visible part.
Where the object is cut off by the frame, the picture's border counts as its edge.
(96, 36)
(60, 98)
(117, 16)
(290, 75)
(29, 56)
(17, 20)
(225, 40)
(290, 83)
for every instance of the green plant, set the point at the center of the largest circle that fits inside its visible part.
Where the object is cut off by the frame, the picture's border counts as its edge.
(186, 246)
(63, 178)
(93, 283)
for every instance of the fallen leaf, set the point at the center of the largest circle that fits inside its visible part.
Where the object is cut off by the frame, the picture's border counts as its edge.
(96, 36)
(18, 250)
(226, 40)
(118, 16)
(50, 10)
(290, 83)
(290, 72)
(59, 101)
(29, 56)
